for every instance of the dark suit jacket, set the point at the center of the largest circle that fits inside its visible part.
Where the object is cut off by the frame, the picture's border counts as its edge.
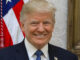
(18, 52)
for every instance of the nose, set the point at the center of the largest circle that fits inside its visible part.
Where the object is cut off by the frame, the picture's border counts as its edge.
(41, 28)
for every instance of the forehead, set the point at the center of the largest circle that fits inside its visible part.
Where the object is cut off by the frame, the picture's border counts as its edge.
(40, 15)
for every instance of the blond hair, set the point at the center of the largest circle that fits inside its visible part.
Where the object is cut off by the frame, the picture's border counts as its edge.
(36, 5)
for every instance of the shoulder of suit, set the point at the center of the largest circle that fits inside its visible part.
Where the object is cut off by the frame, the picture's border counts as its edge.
(9, 50)
(58, 51)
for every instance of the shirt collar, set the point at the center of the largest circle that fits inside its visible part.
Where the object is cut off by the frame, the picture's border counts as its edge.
(45, 50)
(31, 49)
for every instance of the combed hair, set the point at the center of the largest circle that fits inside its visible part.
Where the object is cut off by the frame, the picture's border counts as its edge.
(36, 6)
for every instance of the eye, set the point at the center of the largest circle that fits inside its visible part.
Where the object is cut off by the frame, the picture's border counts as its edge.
(46, 22)
(34, 23)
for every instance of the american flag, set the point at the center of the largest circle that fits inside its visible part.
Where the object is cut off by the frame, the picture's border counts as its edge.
(10, 32)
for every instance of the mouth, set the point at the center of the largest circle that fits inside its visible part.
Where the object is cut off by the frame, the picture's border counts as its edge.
(40, 35)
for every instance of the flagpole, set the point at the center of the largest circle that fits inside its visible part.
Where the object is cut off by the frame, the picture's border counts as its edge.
(1, 34)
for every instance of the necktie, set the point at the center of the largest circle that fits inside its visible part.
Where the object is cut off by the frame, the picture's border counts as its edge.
(38, 54)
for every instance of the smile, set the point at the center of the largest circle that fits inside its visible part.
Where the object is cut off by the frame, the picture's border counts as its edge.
(40, 35)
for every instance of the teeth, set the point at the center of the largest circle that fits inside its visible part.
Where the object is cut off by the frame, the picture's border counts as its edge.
(39, 36)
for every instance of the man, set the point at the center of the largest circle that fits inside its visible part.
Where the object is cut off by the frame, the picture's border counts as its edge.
(37, 22)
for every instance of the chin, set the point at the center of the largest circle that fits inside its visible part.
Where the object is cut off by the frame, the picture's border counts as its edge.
(40, 46)
(41, 43)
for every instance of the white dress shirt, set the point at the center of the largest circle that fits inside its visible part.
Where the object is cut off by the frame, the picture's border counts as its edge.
(31, 51)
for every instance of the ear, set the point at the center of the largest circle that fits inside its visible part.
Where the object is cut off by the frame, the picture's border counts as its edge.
(22, 26)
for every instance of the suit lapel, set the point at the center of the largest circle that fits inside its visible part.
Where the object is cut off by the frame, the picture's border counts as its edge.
(21, 53)
(52, 52)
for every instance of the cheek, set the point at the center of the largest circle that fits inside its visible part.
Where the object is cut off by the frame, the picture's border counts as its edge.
(49, 28)
(32, 28)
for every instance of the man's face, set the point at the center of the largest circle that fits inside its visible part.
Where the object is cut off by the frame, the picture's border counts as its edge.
(38, 28)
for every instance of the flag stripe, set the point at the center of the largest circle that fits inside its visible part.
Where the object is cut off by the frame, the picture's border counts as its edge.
(17, 8)
(6, 36)
(13, 26)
